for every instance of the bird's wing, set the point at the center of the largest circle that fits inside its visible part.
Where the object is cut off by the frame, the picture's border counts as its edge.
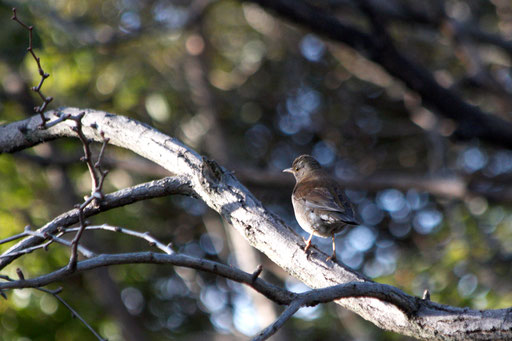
(333, 200)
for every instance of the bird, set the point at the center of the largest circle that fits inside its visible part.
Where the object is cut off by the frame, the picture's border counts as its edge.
(319, 203)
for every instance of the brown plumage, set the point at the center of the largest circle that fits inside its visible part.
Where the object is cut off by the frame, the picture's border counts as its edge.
(321, 208)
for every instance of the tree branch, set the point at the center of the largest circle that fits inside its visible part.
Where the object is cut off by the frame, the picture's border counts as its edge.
(37, 89)
(148, 190)
(271, 291)
(496, 323)
(220, 190)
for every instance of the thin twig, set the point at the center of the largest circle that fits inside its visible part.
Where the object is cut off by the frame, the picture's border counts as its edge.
(37, 89)
(55, 293)
(285, 316)
(76, 239)
(56, 238)
(143, 235)
(76, 314)
(60, 118)
(97, 165)
(97, 179)
(44, 236)
(87, 151)
(26, 250)
(15, 237)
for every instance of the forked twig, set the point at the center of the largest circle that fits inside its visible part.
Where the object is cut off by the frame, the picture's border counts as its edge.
(37, 89)
(98, 175)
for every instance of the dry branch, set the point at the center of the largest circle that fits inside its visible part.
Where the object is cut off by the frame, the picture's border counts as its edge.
(37, 89)
(144, 191)
(219, 189)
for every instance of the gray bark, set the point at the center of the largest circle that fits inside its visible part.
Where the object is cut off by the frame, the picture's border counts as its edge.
(221, 191)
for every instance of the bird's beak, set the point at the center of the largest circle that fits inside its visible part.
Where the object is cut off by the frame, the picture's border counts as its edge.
(288, 170)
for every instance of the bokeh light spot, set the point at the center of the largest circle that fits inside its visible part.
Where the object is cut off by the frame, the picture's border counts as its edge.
(312, 48)
(391, 200)
(426, 220)
(133, 300)
(467, 285)
(473, 159)
(361, 238)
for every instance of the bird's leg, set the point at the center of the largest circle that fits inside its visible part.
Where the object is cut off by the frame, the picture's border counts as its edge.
(308, 243)
(333, 256)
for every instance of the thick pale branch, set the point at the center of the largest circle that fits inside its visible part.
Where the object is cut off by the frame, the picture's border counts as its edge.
(219, 189)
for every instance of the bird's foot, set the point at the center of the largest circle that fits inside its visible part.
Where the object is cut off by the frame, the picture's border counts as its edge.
(331, 257)
(308, 244)
(306, 248)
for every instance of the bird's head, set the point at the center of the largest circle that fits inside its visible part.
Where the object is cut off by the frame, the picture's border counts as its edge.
(303, 166)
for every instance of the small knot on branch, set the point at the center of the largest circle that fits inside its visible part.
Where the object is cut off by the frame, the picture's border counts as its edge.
(256, 273)
(20, 274)
(426, 295)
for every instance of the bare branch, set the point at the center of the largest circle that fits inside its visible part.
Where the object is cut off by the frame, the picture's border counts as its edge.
(408, 304)
(15, 237)
(25, 250)
(285, 316)
(148, 190)
(143, 235)
(220, 190)
(51, 238)
(74, 243)
(97, 179)
(87, 151)
(37, 89)
(75, 314)
(271, 291)
(413, 308)
(56, 238)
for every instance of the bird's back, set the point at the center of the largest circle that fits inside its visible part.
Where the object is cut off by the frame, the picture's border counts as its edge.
(319, 193)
